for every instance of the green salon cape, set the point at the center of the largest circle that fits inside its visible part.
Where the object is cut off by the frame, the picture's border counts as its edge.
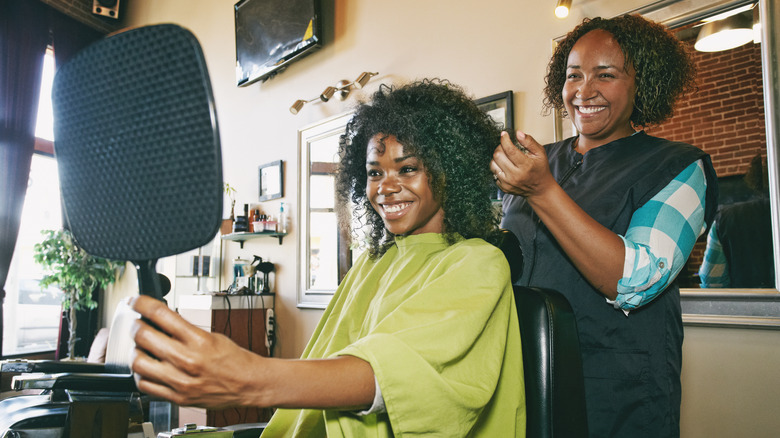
(438, 325)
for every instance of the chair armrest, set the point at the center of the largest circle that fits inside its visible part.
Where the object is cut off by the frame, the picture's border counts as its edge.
(51, 367)
(77, 382)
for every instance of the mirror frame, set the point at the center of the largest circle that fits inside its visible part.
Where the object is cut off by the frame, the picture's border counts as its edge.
(309, 298)
(744, 308)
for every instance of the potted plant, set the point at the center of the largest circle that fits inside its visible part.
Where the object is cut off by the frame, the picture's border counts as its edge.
(75, 272)
(227, 224)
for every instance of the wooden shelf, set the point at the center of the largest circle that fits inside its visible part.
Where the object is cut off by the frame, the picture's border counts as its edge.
(243, 237)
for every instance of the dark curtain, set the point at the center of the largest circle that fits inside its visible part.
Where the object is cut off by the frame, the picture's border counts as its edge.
(26, 28)
(68, 37)
(23, 40)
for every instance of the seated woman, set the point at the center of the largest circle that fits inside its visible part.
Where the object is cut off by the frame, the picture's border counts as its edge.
(421, 336)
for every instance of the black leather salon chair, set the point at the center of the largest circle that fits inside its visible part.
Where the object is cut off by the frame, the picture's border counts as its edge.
(139, 160)
(554, 383)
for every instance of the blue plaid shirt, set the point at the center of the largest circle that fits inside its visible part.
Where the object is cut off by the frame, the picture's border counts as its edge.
(713, 271)
(660, 237)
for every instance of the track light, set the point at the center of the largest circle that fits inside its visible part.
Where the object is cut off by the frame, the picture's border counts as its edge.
(297, 106)
(340, 90)
(327, 94)
(363, 79)
(562, 9)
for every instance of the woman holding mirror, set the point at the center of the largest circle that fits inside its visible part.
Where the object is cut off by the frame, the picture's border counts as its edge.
(421, 337)
(609, 217)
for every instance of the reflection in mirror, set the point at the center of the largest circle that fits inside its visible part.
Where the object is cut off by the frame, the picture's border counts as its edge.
(725, 118)
(739, 245)
(323, 250)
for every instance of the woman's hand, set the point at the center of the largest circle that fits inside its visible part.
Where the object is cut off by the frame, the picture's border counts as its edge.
(177, 361)
(597, 252)
(187, 365)
(523, 172)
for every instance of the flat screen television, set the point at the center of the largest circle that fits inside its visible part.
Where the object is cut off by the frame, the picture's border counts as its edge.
(270, 34)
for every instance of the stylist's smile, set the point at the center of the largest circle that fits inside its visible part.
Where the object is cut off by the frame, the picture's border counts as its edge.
(590, 109)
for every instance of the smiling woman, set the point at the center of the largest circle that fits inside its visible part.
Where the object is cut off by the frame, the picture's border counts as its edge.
(375, 363)
(398, 189)
(599, 91)
(416, 118)
(609, 216)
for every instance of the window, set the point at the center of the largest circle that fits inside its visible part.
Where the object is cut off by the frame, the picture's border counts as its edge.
(318, 238)
(44, 126)
(31, 315)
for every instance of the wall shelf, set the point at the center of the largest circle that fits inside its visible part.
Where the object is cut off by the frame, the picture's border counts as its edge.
(242, 237)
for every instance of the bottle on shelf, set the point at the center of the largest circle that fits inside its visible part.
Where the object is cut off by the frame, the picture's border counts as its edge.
(253, 228)
(242, 222)
(270, 224)
(281, 226)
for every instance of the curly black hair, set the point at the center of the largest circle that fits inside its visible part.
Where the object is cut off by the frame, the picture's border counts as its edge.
(664, 68)
(454, 140)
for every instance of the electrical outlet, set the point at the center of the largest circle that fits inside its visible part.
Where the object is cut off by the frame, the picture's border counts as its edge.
(270, 331)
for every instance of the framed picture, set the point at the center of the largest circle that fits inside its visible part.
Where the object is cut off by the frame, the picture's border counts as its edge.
(271, 180)
(500, 108)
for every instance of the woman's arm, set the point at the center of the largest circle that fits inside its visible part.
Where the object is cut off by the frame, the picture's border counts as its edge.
(189, 366)
(714, 270)
(597, 252)
(661, 236)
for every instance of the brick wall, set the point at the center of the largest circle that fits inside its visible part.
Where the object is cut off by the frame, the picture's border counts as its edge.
(724, 117)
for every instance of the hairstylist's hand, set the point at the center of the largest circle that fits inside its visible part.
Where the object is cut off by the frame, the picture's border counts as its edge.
(517, 172)
(187, 365)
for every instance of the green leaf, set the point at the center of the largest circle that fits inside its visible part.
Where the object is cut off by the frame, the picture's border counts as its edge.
(72, 269)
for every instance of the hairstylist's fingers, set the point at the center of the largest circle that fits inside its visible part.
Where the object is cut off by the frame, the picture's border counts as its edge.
(495, 168)
(530, 144)
(157, 343)
(507, 157)
(151, 376)
(165, 319)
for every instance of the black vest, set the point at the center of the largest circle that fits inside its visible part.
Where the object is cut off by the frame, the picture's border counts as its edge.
(631, 363)
(745, 231)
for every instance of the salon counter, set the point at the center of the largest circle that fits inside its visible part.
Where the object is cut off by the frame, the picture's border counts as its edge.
(242, 318)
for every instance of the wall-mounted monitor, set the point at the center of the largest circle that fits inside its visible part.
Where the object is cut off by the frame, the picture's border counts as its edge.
(270, 34)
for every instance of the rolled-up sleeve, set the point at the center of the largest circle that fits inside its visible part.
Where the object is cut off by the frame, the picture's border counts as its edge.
(660, 238)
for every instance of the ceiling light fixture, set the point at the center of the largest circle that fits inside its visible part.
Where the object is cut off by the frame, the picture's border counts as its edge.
(340, 90)
(562, 9)
(756, 25)
(725, 34)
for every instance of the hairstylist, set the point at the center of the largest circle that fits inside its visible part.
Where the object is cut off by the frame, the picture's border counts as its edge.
(608, 217)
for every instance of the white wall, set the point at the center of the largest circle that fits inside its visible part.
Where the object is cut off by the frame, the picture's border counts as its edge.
(488, 47)
(731, 386)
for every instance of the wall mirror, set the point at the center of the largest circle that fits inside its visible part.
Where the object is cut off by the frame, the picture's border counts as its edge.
(737, 306)
(324, 255)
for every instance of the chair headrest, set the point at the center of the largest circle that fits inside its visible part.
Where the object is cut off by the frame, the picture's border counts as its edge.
(510, 245)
